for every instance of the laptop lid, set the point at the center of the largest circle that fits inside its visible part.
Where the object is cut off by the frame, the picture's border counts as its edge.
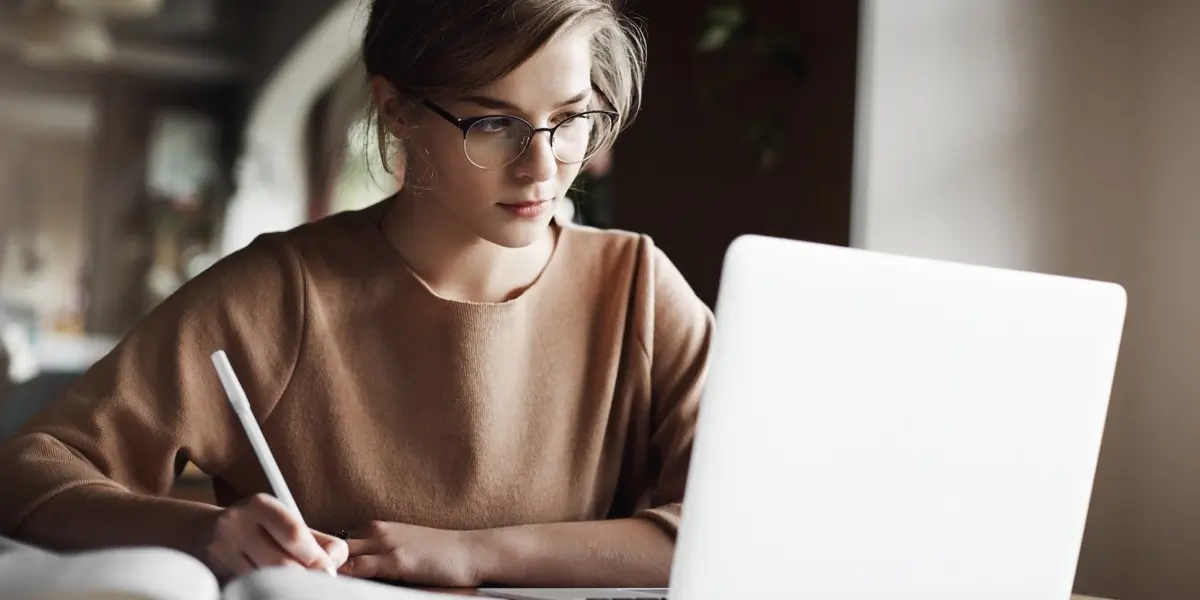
(881, 427)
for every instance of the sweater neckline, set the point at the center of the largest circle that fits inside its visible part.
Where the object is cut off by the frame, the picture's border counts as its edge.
(375, 216)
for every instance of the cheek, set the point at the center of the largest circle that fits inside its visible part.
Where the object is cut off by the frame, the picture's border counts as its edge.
(472, 186)
(437, 161)
(566, 176)
(452, 176)
(444, 152)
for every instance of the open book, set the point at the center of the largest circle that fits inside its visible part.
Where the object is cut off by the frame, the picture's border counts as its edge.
(160, 574)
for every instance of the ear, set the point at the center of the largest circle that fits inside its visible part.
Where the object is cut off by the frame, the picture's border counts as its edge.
(389, 104)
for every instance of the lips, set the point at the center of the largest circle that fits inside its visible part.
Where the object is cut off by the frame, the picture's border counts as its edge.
(526, 210)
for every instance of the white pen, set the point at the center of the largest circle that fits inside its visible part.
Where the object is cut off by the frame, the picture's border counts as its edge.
(241, 406)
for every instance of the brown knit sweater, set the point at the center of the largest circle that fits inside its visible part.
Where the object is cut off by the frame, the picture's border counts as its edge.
(382, 401)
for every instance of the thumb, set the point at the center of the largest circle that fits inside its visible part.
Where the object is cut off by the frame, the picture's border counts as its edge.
(367, 566)
(335, 547)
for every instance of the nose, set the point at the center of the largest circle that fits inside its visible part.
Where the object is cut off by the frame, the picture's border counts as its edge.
(538, 162)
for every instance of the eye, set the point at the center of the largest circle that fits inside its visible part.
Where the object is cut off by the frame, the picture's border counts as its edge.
(569, 114)
(577, 121)
(494, 125)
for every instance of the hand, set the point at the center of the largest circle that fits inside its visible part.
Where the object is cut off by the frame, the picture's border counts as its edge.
(413, 555)
(261, 532)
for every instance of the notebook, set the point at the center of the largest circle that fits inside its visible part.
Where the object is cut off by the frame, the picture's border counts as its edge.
(162, 574)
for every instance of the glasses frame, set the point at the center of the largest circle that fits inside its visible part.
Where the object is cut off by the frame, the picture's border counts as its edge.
(465, 125)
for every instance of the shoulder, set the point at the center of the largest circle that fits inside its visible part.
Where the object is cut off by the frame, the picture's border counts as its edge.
(287, 256)
(663, 299)
(601, 248)
(680, 316)
(257, 288)
(617, 249)
(343, 238)
(265, 264)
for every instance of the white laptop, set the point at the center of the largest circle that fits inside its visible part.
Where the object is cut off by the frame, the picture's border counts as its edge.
(878, 427)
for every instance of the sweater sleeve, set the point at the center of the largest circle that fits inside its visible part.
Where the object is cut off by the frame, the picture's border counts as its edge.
(679, 353)
(129, 423)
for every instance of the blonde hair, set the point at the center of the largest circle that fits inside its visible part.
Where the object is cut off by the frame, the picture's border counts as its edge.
(427, 48)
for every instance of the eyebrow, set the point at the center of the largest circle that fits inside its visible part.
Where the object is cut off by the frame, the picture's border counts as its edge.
(498, 104)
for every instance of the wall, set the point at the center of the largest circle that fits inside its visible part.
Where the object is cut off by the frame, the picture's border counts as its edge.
(1058, 137)
(121, 223)
(46, 122)
(272, 185)
(1164, 476)
(681, 174)
(283, 24)
(116, 114)
(43, 179)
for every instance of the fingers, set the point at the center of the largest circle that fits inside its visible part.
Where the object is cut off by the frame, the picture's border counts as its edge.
(263, 551)
(374, 553)
(367, 566)
(372, 530)
(288, 532)
(234, 563)
(260, 532)
(337, 548)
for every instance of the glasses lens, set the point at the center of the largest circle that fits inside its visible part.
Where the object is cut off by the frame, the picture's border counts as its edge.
(496, 141)
(578, 138)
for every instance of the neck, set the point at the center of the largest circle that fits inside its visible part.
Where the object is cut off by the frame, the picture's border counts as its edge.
(455, 262)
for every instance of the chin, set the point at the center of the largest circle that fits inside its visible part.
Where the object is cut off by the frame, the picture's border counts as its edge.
(518, 235)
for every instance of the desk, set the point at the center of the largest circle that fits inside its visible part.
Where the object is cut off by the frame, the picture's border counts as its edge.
(476, 594)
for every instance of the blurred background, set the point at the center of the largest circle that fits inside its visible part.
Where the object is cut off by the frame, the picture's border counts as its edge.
(141, 140)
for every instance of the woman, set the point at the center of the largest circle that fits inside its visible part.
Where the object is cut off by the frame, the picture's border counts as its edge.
(475, 393)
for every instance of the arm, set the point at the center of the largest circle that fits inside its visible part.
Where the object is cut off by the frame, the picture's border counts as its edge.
(99, 516)
(617, 553)
(95, 468)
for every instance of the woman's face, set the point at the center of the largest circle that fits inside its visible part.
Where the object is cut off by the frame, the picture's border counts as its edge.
(507, 204)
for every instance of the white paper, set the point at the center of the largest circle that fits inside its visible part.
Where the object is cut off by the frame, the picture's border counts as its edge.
(152, 573)
(298, 584)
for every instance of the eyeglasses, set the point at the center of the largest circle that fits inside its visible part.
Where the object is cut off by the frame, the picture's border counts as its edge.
(495, 141)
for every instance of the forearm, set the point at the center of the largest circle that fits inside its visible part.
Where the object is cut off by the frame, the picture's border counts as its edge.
(94, 517)
(617, 553)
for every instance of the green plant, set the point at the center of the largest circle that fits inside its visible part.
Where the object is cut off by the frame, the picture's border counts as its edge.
(752, 77)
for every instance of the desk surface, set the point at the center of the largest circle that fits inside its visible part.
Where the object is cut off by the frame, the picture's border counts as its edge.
(191, 471)
(474, 593)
